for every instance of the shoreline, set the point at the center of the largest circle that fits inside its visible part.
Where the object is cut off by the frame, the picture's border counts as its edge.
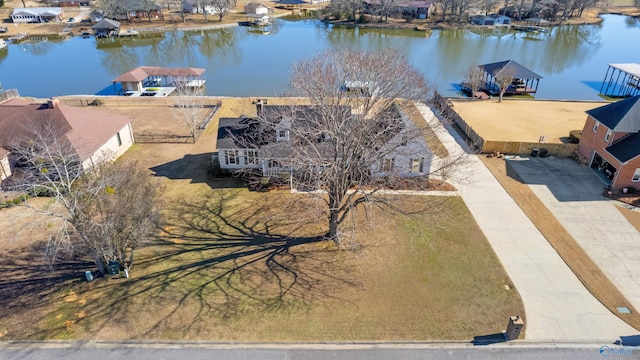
(590, 16)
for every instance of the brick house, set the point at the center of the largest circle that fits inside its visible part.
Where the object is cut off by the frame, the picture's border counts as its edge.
(611, 142)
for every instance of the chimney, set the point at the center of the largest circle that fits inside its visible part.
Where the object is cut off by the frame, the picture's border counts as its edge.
(53, 103)
(260, 103)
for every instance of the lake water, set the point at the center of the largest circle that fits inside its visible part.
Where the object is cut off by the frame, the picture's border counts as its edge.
(244, 62)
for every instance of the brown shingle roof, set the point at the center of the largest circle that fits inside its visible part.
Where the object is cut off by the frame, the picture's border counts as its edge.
(87, 129)
(143, 72)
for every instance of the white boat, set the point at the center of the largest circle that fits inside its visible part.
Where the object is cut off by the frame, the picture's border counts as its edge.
(3, 44)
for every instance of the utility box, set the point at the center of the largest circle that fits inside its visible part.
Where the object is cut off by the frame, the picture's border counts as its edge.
(514, 328)
(113, 268)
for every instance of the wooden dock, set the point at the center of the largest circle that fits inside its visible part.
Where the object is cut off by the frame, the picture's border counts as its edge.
(22, 37)
(18, 38)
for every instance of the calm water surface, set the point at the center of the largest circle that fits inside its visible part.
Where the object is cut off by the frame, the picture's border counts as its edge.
(240, 62)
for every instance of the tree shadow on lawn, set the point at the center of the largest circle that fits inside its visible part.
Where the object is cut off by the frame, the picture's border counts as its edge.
(224, 257)
(29, 285)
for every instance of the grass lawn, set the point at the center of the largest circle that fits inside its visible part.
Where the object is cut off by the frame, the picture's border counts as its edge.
(229, 264)
(233, 265)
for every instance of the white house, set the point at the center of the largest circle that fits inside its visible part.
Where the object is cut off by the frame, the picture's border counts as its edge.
(37, 14)
(243, 143)
(491, 20)
(257, 8)
(94, 135)
(199, 7)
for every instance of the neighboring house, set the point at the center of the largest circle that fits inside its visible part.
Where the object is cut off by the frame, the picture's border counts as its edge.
(491, 20)
(71, 3)
(92, 133)
(96, 15)
(37, 15)
(197, 7)
(611, 142)
(106, 27)
(401, 8)
(138, 9)
(256, 8)
(243, 143)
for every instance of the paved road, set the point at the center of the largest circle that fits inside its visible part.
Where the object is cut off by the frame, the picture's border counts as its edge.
(573, 194)
(203, 351)
(556, 303)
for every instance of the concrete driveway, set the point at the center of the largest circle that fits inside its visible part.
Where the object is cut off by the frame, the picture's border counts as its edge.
(573, 194)
(557, 305)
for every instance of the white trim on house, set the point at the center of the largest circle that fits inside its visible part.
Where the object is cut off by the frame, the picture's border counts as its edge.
(117, 145)
(5, 167)
(36, 15)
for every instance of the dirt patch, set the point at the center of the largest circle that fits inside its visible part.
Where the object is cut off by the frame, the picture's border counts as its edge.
(524, 120)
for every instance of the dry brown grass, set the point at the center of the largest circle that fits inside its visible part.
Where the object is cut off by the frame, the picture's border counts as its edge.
(569, 250)
(524, 120)
(433, 141)
(228, 264)
(633, 217)
(234, 265)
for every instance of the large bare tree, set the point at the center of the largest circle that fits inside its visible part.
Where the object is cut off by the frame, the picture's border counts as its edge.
(103, 212)
(190, 104)
(354, 139)
(221, 7)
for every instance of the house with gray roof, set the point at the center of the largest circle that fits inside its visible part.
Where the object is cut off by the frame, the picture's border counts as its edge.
(264, 144)
(610, 142)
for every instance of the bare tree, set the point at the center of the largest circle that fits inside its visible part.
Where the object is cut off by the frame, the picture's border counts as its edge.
(149, 6)
(355, 139)
(111, 8)
(473, 78)
(89, 203)
(503, 78)
(190, 103)
(345, 8)
(221, 7)
(124, 213)
(203, 5)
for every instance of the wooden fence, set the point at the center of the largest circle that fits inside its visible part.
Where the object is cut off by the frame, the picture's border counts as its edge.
(126, 101)
(506, 147)
(514, 147)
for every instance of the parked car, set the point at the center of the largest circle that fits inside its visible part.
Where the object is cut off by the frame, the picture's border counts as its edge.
(72, 20)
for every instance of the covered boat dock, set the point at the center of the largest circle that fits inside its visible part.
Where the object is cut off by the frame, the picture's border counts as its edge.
(621, 80)
(524, 82)
(148, 79)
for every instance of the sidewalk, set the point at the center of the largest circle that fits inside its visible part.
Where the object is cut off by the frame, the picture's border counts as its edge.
(557, 305)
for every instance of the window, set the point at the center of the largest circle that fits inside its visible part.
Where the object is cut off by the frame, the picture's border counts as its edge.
(416, 165)
(119, 139)
(607, 137)
(282, 134)
(230, 157)
(252, 157)
(387, 165)
(595, 127)
(636, 175)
